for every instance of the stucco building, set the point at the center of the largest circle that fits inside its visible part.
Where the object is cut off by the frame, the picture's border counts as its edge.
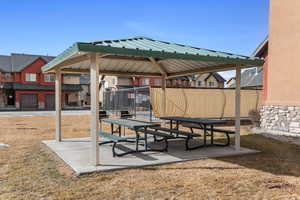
(281, 105)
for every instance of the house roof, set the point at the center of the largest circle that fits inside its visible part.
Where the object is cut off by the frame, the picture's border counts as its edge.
(259, 51)
(217, 76)
(183, 78)
(17, 62)
(20, 61)
(131, 57)
(5, 64)
(251, 77)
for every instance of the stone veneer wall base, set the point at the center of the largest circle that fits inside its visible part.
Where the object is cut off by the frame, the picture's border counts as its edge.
(280, 119)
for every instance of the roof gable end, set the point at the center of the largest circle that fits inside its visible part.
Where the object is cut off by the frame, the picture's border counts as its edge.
(21, 61)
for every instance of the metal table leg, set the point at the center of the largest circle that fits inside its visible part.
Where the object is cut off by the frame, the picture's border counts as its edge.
(177, 125)
(112, 128)
(146, 142)
(137, 141)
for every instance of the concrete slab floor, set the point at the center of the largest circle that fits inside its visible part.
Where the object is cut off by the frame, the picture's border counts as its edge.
(76, 153)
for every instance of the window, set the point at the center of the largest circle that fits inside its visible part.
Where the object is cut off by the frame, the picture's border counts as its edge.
(157, 81)
(145, 81)
(199, 83)
(30, 77)
(49, 78)
(211, 84)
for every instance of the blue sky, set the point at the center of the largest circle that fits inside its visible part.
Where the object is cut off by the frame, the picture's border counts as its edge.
(49, 27)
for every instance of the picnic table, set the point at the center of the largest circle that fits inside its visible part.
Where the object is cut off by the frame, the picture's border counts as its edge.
(203, 124)
(134, 125)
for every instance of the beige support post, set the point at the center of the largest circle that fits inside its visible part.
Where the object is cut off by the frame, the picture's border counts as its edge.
(58, 105)
(238, 109)
(164, 97)
(94, 110)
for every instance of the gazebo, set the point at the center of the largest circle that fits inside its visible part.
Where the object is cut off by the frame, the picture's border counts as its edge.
(141, 56)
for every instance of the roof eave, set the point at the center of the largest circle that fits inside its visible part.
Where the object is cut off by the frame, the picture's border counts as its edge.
(69, 52)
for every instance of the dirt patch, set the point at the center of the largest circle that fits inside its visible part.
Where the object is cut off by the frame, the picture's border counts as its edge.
(61, 166)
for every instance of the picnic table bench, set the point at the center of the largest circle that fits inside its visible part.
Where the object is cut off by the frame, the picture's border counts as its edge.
(136, 126)
(203, 124)
(165, 137)
(179, 134)
(113, 139)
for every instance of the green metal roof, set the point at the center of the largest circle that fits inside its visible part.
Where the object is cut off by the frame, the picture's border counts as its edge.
(146, 47)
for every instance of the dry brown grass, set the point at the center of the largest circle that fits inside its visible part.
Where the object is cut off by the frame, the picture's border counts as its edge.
(28, 172)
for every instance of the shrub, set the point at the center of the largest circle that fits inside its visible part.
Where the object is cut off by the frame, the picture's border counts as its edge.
(254, 115)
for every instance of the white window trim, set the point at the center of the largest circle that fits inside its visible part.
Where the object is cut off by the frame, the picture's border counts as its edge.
(146, 81)
(157, 81)
(30, 77)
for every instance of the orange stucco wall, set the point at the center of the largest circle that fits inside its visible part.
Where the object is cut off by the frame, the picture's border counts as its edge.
(284, 53)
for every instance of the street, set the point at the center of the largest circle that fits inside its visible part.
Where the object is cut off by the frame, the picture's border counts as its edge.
(41, 113)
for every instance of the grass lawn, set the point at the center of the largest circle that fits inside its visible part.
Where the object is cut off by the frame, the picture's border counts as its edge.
(27, 171)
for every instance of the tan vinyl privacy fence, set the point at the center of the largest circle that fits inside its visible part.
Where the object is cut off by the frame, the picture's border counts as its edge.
(206, 103)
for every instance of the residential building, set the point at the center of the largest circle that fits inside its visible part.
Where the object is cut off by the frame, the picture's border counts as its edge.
(231, 82)
(214, 80)
(23, 85)
(262, 51)
(208, 80)
(250, 78)
(255, 77)
(183, 81)
(281, 106)
(147, 81)
(202, 80)
(114, 83)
